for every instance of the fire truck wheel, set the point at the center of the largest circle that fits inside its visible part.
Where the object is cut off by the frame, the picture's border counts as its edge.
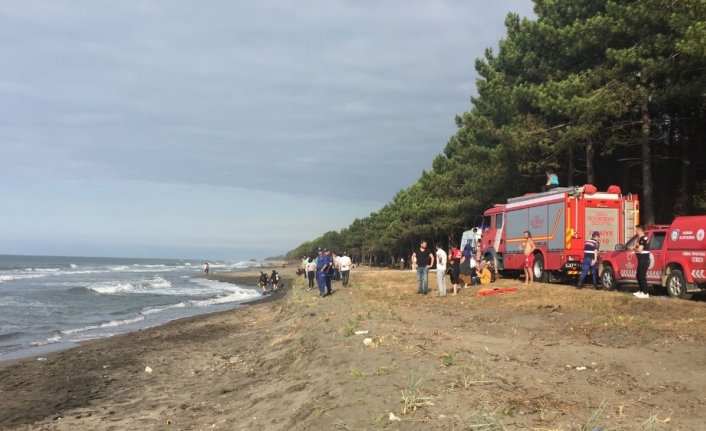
(608, 278)
(538, 271)
(676, 285)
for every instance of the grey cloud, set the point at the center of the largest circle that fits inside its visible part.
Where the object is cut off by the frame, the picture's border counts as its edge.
(257, 95)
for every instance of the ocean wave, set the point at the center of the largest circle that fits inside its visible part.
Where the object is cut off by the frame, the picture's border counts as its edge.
(15, 301)
(6, 278)
(11, 335)
(151, 310)
(111, 324)
(42, 269)
(50, 340)
(151, 285)
(73, 265)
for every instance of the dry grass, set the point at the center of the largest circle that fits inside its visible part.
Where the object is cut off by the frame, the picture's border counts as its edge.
(387, 290)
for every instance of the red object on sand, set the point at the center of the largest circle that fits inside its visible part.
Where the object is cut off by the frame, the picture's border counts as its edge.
(496, 291)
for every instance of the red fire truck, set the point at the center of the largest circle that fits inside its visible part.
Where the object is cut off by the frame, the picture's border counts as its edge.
(677, 258)
(559, 221)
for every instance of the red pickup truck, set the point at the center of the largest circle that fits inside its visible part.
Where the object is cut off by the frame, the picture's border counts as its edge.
(677, 259)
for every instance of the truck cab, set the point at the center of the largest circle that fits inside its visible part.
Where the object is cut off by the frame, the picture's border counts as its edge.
(677, 259)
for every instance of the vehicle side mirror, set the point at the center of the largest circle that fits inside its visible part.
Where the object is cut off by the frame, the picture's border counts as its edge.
(619, 247)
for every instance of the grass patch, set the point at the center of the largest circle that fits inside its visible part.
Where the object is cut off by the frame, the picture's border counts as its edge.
(385, 370)
(413, 396)
(349, 328)
(358, 374)
(448, 360)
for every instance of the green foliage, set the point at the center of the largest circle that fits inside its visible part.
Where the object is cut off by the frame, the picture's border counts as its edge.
(608, 92)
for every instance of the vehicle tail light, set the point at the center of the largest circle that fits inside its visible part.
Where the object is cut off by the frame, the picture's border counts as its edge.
(573, 258)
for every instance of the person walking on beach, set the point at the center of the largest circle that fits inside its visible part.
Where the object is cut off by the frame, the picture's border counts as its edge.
(345, 267)
(311, 272)
(590, 260)
(528, 248)
(274, 280)
(263, 282)
(441, 269)
(424, 259)
(206, 267)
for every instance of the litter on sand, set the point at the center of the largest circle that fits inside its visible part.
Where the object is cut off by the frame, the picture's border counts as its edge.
(361, 332)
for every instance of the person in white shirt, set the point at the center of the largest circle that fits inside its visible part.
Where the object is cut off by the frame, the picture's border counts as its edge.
(441, 260)
(311, 271)
(344, 265)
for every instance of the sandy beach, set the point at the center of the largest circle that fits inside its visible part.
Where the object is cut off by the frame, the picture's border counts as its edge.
(547, 357)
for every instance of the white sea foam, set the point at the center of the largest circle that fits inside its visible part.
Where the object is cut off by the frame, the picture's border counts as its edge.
(50, 340)
(110, 324)
(73, 265)
(152, 310)
(155, 285)
(6, 278)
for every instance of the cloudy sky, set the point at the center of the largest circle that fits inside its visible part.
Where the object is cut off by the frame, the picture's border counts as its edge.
(222, 129)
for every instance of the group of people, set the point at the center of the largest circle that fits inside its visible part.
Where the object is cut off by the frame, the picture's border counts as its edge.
(273, 281)
(324, 268)
(459, 265)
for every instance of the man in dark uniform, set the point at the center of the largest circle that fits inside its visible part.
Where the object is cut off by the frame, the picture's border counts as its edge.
(329, 270)
(590, 259)
(642, 251)
(321, 267)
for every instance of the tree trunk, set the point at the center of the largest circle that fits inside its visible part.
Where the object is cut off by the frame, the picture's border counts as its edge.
(648, 207)
(590, 169)
(685, 200)
(570, 174)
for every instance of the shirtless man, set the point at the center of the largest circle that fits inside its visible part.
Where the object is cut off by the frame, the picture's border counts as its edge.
(528, 248)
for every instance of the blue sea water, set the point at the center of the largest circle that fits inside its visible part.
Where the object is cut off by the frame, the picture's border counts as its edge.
(48, 303)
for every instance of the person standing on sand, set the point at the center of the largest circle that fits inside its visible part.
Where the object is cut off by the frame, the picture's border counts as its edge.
(345, 267)
(321, 269)
(590, 260)
(528, 248)
(441, 269)
(305, 262)
(311, 272)
(642, 250)
(206, 267)
(336, 267)
(455, 259)
(329, 270)
(424, 260)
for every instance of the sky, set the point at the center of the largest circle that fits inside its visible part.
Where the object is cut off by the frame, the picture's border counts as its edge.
(220, 129)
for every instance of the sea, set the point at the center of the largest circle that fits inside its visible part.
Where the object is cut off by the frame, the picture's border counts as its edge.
(51, 303)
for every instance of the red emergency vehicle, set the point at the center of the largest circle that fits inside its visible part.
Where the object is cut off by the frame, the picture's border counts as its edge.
(560, 221)
(677, 258)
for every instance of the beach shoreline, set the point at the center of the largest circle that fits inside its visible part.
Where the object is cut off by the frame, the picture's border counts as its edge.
(377, 355)
(244, 278)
